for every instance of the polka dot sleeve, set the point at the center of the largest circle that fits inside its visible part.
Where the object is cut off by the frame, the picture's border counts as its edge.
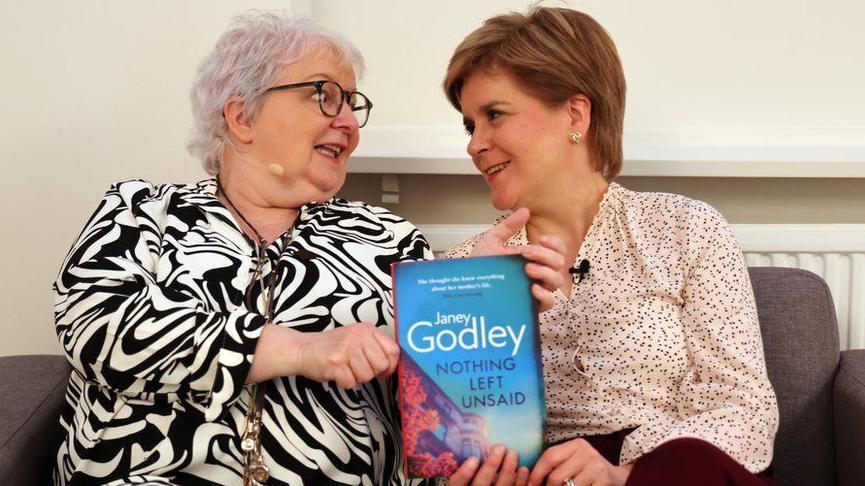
(725, 397)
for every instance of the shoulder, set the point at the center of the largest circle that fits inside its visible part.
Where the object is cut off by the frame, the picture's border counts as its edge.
(142, 202)
(364, 211)
(463, 249)
(136, 192)
(666, 208)
(374, 221)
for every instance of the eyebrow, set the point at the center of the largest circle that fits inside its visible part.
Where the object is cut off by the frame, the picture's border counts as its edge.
(485, 107)
(327, 77)
(493, 103)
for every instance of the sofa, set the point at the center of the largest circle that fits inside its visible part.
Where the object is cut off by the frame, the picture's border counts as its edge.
(821, 391)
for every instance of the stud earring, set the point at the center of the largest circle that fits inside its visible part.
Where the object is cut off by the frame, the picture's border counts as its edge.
(576, 137)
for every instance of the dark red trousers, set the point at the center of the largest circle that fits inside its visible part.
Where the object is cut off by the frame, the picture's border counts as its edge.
(685, 462)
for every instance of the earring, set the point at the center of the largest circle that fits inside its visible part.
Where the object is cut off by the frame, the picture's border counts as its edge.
(576, 137)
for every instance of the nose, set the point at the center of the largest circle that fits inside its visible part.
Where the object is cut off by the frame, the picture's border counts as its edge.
(345, 120)
(478, 144)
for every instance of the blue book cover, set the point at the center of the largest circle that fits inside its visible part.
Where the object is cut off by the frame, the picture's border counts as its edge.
(470, 372)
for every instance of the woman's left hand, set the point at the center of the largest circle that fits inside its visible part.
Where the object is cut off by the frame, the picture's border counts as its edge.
(546, 260)
(578, 461)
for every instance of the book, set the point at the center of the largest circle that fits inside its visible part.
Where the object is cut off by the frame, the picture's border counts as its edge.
(470, 372)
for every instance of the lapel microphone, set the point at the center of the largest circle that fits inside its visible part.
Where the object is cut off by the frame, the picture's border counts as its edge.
(581, 270)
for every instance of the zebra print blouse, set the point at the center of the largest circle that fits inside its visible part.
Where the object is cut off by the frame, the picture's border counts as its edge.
(150, 312)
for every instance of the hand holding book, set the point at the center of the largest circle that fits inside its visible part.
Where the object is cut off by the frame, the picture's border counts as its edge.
(500, 468)
(546, 263)
(349, 355)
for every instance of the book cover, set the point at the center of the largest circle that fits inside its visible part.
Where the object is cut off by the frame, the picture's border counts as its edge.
(470, 372)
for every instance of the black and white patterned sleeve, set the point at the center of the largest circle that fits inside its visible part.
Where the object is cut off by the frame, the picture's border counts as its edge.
(410, 243)
(123, 330)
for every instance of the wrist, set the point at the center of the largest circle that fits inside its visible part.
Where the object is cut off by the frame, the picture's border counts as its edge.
(275, 354)
(623, 472)
(292, 346)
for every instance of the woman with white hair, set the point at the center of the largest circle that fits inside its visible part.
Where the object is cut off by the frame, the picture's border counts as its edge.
(238, 330)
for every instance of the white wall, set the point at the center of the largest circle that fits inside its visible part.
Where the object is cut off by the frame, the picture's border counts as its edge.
(95, 91)
(739, 72)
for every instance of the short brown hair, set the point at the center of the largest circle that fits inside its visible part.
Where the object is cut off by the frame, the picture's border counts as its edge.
(553, 53)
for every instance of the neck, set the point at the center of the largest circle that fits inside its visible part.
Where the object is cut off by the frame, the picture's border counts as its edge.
(249, 202)
(568, 214)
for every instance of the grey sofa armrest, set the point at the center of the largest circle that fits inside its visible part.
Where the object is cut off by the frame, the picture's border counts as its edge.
(849, 404)
(32, 392)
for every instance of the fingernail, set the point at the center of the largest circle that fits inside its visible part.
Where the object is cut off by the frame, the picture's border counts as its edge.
(473, 461)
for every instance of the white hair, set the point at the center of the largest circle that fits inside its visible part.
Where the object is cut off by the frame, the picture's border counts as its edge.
(245, 62)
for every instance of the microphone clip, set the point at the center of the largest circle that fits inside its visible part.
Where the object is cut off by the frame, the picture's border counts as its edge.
(582, 270)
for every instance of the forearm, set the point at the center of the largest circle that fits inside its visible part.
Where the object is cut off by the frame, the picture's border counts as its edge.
(276, 354)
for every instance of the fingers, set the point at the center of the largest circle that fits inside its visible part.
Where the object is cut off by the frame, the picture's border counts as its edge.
(569, 469)
(355, 355)
(378, 354)
(465, 473)
(487, 472)
(494, 242)
(584, 469)
(522, 476)
(344, 378)
(549, 253)
(549, 278)
(550, 460)
(575, 459)
(508, 472)
(546, 299)
(510, 225)
(360, 367)
(390, 350)
(554, 243)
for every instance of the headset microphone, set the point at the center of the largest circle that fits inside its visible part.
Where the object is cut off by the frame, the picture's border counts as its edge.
(275, 169)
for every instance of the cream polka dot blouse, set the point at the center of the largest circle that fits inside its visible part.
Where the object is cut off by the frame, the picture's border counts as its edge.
(661, 334)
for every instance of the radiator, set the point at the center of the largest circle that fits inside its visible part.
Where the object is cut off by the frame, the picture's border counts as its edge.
(836, 252)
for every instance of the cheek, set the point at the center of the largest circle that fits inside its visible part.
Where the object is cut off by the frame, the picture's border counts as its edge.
(353, 141)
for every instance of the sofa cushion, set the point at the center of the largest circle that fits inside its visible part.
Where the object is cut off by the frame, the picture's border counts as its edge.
(800, 337)
(849, 404)
(33, 390)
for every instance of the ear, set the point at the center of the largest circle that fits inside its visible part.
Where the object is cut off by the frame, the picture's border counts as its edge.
(238, 124)
(580, 113)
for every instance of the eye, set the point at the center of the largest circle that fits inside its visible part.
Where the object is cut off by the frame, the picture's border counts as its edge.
(470, 128)
(493, 114)
(320, 96)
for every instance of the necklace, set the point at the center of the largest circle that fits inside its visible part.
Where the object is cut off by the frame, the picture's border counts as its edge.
(221, 191)
(255, 471)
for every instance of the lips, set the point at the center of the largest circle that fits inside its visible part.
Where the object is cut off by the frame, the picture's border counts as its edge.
(494, 169)
(329, 150)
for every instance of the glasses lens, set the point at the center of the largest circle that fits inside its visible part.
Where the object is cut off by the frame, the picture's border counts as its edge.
(331, 98)
(360, 105)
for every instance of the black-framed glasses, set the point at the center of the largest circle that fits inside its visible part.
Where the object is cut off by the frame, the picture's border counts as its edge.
(331, 96)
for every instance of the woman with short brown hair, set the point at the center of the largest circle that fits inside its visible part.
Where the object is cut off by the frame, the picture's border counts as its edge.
(652, 353)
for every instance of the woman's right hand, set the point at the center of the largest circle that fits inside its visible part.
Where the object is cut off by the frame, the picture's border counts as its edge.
(546, 261)
(499, 469)
(349, 355)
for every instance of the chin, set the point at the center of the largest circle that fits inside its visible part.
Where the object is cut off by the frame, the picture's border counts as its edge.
(329, 185)
(502, 203)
